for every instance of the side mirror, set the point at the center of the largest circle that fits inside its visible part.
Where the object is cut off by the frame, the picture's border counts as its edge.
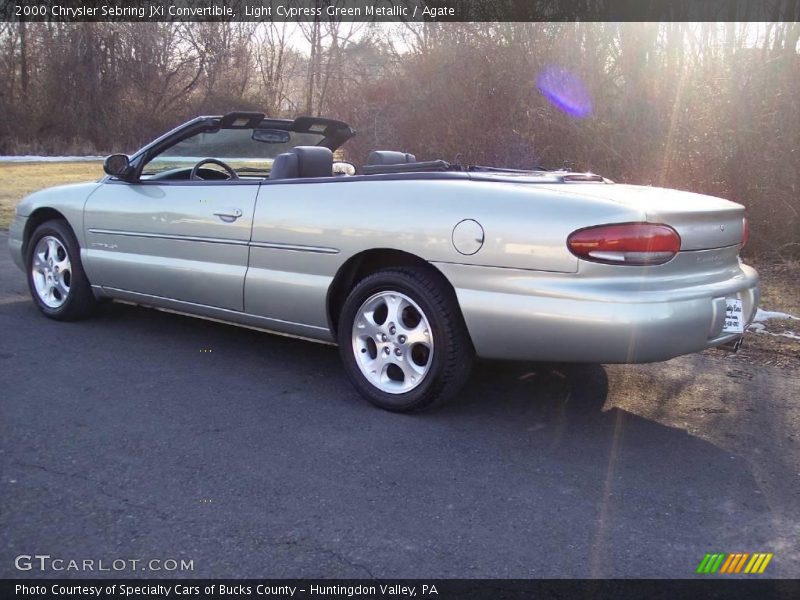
(116, 165)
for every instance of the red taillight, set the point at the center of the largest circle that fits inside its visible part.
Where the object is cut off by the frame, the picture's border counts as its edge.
(626, 243)
(745, 231)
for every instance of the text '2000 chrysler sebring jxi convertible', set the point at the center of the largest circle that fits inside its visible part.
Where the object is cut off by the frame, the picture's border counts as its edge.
(412, 267)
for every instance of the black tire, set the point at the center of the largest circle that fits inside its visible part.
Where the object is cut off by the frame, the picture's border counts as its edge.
(453, 354)
(80, 301)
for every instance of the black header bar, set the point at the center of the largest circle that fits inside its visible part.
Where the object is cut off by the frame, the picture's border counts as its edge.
(399, 10)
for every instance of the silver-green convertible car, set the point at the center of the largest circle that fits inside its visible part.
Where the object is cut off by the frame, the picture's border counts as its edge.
(412, 267)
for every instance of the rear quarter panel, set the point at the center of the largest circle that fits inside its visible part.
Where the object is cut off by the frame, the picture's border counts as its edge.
(524, 228)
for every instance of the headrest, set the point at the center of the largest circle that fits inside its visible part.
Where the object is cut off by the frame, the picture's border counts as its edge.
(284, 166)
(390, 157)
(313, 161)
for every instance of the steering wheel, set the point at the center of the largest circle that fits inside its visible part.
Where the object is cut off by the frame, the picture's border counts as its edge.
(212, 161)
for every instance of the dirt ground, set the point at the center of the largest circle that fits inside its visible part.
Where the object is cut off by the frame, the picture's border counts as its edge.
(780, 292)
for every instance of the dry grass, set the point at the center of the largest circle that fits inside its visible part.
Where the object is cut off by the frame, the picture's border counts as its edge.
(780, 286)
(17, 180)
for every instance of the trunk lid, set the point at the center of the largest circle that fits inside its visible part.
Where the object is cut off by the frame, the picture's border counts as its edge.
(703, 222)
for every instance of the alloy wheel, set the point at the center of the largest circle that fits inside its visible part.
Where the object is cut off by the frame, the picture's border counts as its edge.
(392, 342)
(51, 271)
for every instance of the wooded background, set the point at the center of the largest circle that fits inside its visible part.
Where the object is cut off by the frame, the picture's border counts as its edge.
(712, 108)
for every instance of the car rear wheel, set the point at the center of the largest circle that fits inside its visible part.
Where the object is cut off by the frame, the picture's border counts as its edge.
(403, 341)
(56, 279)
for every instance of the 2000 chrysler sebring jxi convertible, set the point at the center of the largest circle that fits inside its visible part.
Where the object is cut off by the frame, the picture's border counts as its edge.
(411, 267)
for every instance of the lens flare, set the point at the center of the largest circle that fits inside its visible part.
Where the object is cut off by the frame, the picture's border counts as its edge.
(566, 91)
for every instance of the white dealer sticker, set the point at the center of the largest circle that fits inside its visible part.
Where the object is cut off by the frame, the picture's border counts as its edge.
(734, 318)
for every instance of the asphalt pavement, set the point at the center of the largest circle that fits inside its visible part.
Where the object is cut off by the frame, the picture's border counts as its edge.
(144, 435)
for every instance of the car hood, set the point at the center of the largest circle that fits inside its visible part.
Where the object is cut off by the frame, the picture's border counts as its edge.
(60, 197)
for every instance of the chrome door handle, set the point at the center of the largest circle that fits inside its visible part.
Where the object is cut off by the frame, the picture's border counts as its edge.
(229, 215)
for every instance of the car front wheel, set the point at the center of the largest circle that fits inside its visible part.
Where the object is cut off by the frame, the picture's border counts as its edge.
(403, 341)
(56, 279)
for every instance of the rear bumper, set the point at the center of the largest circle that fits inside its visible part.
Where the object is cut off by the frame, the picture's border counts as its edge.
(523, 315)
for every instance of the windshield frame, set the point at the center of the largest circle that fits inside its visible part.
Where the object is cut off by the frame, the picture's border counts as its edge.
(236, 147)
(335, 134)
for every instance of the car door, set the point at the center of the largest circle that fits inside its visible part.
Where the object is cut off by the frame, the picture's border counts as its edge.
(181, 240)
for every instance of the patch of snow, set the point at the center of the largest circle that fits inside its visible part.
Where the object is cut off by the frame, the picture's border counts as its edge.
(758, 326)
(766, 315)
(36, 158)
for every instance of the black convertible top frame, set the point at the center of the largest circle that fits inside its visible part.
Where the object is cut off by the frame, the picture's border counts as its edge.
(335, 133)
